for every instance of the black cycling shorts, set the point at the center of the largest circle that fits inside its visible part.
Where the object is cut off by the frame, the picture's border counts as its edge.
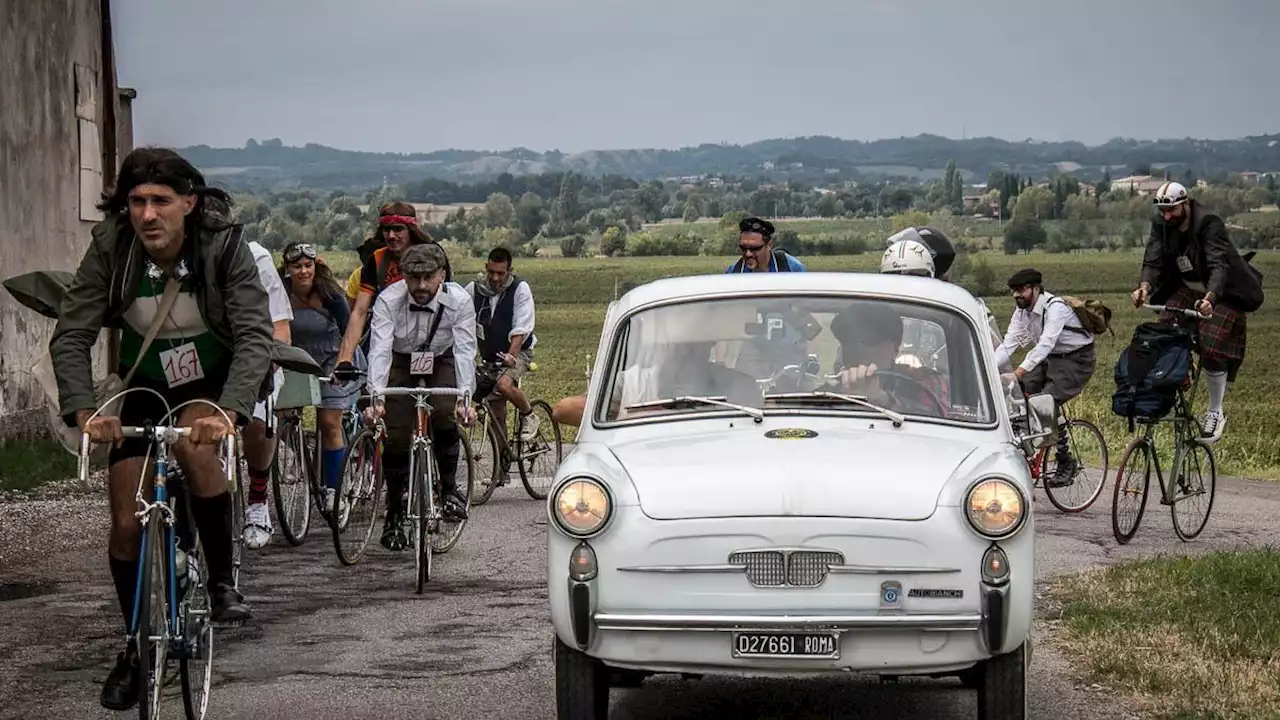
(140, 408)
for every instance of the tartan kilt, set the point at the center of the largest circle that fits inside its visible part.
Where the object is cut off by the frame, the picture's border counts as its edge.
(1222, 337)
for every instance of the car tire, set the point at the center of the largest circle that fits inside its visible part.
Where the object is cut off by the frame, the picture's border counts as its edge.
(1002, 686)
(582, 685)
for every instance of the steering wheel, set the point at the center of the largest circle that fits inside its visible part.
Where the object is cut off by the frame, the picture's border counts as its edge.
(939, 406)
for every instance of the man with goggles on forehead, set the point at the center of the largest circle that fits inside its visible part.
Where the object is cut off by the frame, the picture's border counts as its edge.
(928, 252)
(260, 450)
(1190, 262)
(398, 230)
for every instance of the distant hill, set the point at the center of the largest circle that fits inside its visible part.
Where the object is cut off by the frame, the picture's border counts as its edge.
(806, 159)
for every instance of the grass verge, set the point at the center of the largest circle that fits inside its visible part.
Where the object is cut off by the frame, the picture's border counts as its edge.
(1182, 637)
(26, 466)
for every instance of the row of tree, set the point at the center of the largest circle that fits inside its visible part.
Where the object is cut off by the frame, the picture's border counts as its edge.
(576, 211)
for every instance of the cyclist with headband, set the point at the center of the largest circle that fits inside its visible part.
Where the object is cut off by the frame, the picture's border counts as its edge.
(397, 230)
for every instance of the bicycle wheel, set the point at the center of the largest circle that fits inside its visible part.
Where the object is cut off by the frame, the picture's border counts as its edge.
(449, 531)
(360, 488)
(290, 482)
(1190, 489)
(422, 498)
(1132, 480)
(196, 661)
(540, 458)
(151, 609)
(1087, 449)
(486, 454)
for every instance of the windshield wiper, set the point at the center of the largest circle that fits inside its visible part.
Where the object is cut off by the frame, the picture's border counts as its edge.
(719, 401)
(897, 418)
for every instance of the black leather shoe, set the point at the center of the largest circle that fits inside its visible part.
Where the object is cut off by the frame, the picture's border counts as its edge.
(120, 691)
(227, 604)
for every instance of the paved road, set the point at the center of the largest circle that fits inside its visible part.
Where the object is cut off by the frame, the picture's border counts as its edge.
(333, 642)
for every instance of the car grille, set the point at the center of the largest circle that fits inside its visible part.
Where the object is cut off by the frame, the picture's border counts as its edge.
(786, 568)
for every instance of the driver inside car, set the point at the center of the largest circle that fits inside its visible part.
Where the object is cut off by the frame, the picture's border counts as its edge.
(870, 335)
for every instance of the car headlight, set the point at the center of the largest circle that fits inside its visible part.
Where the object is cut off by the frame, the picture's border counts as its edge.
(582, 506)
(995, 508)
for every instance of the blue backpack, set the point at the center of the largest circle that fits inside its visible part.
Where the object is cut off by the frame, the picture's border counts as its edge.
(1150, 371)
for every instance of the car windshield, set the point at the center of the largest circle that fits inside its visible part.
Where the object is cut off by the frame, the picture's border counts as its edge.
(799, 352)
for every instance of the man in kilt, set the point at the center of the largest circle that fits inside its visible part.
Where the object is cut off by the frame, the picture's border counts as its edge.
(1190, 262)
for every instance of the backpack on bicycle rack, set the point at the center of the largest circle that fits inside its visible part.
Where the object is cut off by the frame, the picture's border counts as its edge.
(1150, 371)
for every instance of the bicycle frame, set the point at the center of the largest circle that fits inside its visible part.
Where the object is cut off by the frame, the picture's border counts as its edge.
(159, 509)
(1181, 416)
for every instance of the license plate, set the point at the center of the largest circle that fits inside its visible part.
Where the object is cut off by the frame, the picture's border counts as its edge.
(786, 645)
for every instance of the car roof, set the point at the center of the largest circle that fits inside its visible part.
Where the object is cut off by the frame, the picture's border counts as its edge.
(897, 287)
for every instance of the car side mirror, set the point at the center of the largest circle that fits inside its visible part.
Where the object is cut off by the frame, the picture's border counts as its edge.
(1039, 423)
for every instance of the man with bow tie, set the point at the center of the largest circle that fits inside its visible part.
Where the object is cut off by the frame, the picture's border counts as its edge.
(423, 328)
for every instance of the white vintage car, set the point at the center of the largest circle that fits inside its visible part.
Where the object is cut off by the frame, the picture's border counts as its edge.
(735, 505)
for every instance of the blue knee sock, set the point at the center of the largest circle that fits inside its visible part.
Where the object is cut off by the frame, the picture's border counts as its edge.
(331, 465)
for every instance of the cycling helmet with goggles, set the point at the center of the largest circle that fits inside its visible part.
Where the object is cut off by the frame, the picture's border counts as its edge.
(1170, 194)
(940, 246)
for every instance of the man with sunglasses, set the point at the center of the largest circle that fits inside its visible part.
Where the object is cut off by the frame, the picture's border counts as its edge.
(260, 450)
(397, 231)
(786, 336)
(1190, 262)
(755, 242)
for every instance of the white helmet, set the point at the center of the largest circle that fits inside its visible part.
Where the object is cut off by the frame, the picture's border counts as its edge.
(1170, 194)
(907, 257)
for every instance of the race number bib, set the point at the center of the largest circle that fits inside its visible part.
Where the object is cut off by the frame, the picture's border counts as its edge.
(422, 363)
(181, 365)
(1184, 263)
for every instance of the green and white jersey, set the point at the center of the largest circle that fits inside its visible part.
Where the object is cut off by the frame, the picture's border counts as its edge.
(184, 349)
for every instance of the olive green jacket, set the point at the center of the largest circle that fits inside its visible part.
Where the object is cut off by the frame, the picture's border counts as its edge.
(228, 292)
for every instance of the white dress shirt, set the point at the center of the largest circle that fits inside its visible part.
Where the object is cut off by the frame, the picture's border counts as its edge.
(1047, 325)
(395, 329)
(277, 297)
(521, 312)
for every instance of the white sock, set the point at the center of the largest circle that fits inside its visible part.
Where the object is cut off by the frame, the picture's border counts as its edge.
(1217, 382)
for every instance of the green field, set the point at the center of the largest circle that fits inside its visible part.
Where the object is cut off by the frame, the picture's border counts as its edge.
(571, 295)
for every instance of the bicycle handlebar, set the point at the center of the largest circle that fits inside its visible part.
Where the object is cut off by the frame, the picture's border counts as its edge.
(1181, 311)
(395, 391)
(164, 434)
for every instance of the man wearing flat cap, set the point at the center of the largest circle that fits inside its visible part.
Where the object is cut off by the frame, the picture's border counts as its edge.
(755, 242)
(424, 328)
(1062, 357)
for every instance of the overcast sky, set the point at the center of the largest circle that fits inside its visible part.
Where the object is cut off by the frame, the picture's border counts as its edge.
(418, 75)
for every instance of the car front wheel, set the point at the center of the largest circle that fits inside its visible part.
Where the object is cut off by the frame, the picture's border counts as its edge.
(582, 685)
(1002, 686)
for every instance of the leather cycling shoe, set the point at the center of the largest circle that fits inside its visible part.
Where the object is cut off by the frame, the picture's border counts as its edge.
(227, 604)
(120, 690)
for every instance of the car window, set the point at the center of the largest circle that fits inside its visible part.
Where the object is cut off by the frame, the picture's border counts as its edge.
(740, 349)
